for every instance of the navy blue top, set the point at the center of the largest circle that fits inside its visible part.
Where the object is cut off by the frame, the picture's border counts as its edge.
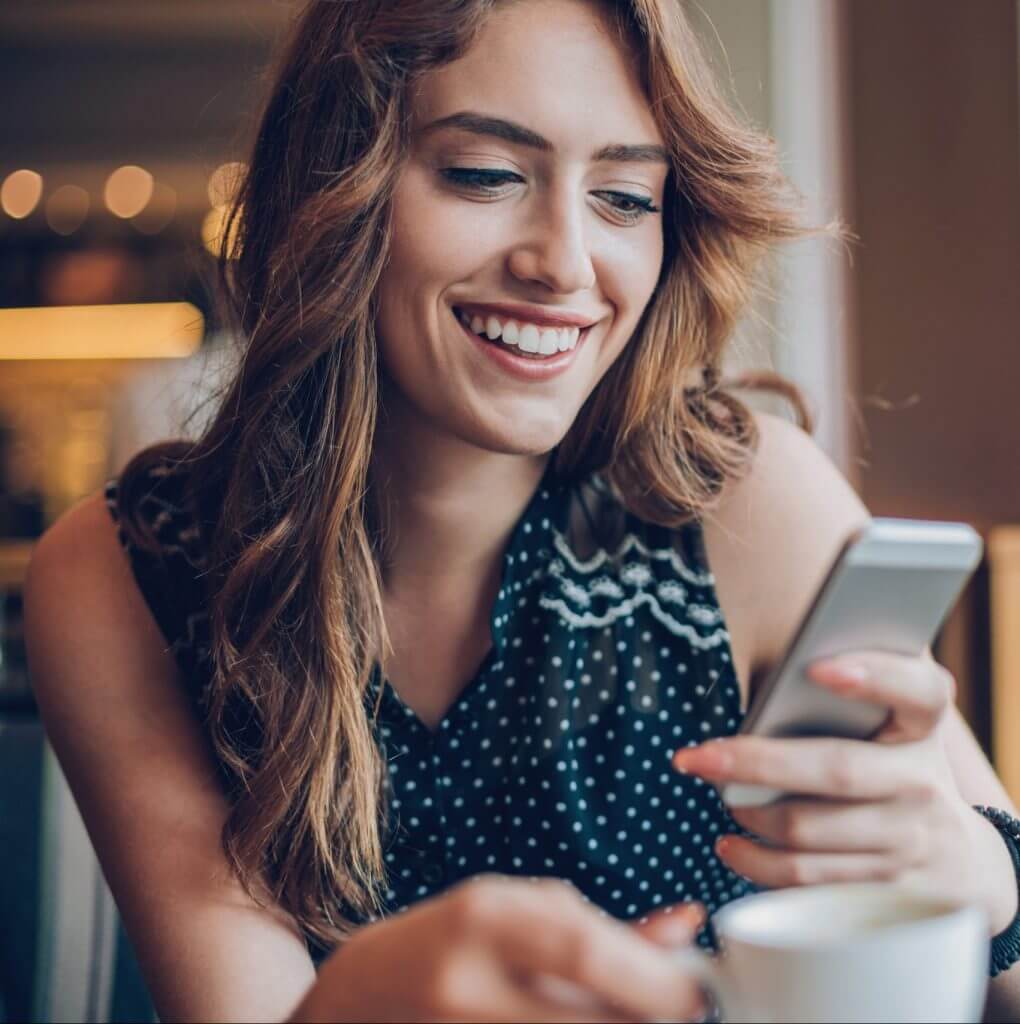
(609, 653)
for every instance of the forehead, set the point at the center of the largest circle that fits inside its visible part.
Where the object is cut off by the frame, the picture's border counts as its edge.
(556, 66)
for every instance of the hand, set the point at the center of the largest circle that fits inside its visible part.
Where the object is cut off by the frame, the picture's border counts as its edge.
(862, 810)
(503, 949)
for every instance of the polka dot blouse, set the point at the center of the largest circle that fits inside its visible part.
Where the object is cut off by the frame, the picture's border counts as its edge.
(609, 653)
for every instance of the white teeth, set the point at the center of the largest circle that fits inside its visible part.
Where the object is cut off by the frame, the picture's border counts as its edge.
(529, 338)
(544, 341)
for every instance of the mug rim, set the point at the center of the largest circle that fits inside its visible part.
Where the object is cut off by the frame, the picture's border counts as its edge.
(941, 907)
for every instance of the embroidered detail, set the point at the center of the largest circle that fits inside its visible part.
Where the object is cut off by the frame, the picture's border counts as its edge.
(575, 592)
(636, 585)
(589, 620)
(671, 591)
(631, 543)
(704, 615)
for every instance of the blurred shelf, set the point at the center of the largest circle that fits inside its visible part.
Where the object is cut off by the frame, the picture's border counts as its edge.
(14, 556)
(129, 21)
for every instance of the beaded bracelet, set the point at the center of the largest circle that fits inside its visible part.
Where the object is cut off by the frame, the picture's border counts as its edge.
(1005, 945)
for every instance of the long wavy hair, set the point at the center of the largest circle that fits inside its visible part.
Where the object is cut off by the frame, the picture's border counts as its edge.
(281, 473)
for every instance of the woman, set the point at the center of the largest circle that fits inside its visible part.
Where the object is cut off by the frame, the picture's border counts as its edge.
(436, 579)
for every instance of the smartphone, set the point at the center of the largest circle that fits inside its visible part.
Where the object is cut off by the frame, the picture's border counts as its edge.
(889, 589)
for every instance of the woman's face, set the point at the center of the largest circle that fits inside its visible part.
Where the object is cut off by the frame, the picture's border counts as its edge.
(527, 211)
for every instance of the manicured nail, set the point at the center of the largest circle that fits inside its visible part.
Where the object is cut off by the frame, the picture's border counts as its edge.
(723, 846)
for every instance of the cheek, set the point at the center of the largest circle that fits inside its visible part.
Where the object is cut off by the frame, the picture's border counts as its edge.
(434, 241)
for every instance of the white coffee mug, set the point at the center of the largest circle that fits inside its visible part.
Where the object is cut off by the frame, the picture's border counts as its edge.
(848, 952)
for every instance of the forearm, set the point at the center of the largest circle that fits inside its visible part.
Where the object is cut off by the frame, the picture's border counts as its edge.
(994, 867)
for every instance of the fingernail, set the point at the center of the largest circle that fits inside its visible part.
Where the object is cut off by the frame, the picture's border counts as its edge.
(846, 673)
(709, 759)
(723, 846)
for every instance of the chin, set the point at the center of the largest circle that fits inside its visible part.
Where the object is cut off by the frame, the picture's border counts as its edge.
(518, 436)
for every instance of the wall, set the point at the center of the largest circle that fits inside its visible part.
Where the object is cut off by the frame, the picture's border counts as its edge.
(937, 271)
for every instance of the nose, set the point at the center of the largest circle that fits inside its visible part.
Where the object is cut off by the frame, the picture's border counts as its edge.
(555, 252)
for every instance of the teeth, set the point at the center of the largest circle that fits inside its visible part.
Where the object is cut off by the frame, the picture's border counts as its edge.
(544, 341)
(529, 338)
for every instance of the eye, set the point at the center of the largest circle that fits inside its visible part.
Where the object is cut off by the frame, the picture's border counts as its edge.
(631, 208)
(480, 179)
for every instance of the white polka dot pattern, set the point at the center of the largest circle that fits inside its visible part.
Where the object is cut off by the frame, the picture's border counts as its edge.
(555, 759)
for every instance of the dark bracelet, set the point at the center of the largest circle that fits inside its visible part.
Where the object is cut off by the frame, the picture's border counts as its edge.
(1005, 945)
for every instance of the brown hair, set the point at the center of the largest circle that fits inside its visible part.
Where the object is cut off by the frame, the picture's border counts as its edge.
(282, 471)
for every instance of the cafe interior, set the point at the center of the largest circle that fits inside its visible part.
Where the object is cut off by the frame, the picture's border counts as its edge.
(123, 130)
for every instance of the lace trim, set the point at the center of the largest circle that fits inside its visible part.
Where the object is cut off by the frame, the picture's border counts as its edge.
(589, 620)
(632, 543)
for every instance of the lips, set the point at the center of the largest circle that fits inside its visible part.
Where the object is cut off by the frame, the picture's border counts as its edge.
(523, 365)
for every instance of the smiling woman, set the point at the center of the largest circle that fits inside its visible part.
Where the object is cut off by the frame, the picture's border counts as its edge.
(472, 548)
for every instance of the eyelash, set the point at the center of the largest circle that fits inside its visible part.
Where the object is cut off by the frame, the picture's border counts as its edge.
(482, 180)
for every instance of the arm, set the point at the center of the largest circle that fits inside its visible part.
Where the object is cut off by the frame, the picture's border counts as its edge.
(118, 718)
(794, 510)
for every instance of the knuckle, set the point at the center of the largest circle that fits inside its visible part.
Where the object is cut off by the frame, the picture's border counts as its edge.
(798, 871)
(474, 907)
(447, 994)
(581, 957)
(795, 827)
(844, 770)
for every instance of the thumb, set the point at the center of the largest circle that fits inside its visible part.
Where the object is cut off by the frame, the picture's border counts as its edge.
(672, 926)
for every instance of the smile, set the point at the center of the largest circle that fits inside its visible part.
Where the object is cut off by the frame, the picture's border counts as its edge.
(528, 338)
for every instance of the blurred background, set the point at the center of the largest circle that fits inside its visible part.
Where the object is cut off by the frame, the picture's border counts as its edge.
(122, 127)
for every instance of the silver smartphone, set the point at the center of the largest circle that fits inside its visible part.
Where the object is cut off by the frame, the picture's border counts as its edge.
(890, 589)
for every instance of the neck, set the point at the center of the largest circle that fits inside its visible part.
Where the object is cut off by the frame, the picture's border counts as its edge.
(446, 508)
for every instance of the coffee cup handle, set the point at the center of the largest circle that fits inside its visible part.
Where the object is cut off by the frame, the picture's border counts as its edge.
(705, 970)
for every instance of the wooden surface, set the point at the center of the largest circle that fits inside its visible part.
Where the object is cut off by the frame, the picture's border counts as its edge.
(1004, 558)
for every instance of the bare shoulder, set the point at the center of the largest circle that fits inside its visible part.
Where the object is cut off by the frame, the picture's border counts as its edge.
(773, 537)
(80, 556)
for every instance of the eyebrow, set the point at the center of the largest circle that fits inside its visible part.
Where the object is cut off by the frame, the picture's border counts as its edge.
(518, 135)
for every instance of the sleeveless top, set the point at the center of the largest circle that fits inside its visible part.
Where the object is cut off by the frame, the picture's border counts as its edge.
(609, 653)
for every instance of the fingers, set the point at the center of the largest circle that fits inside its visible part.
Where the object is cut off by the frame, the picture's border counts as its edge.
(838, 768)
(672, 926)
(781, 868)
(917, 691)
(829, 826)
(552, 931)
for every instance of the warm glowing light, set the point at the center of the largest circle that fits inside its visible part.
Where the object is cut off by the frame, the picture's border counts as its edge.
(212, 229)
(159, 211)
(157, 330)
(20, 193)
(128, 191)
(67, 209)
(224, 181)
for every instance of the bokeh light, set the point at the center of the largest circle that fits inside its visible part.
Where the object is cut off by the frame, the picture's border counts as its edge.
(224, 181)
(159, 211)
(20, 193)
(212, 229)
(128, 191)
(67, 209)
